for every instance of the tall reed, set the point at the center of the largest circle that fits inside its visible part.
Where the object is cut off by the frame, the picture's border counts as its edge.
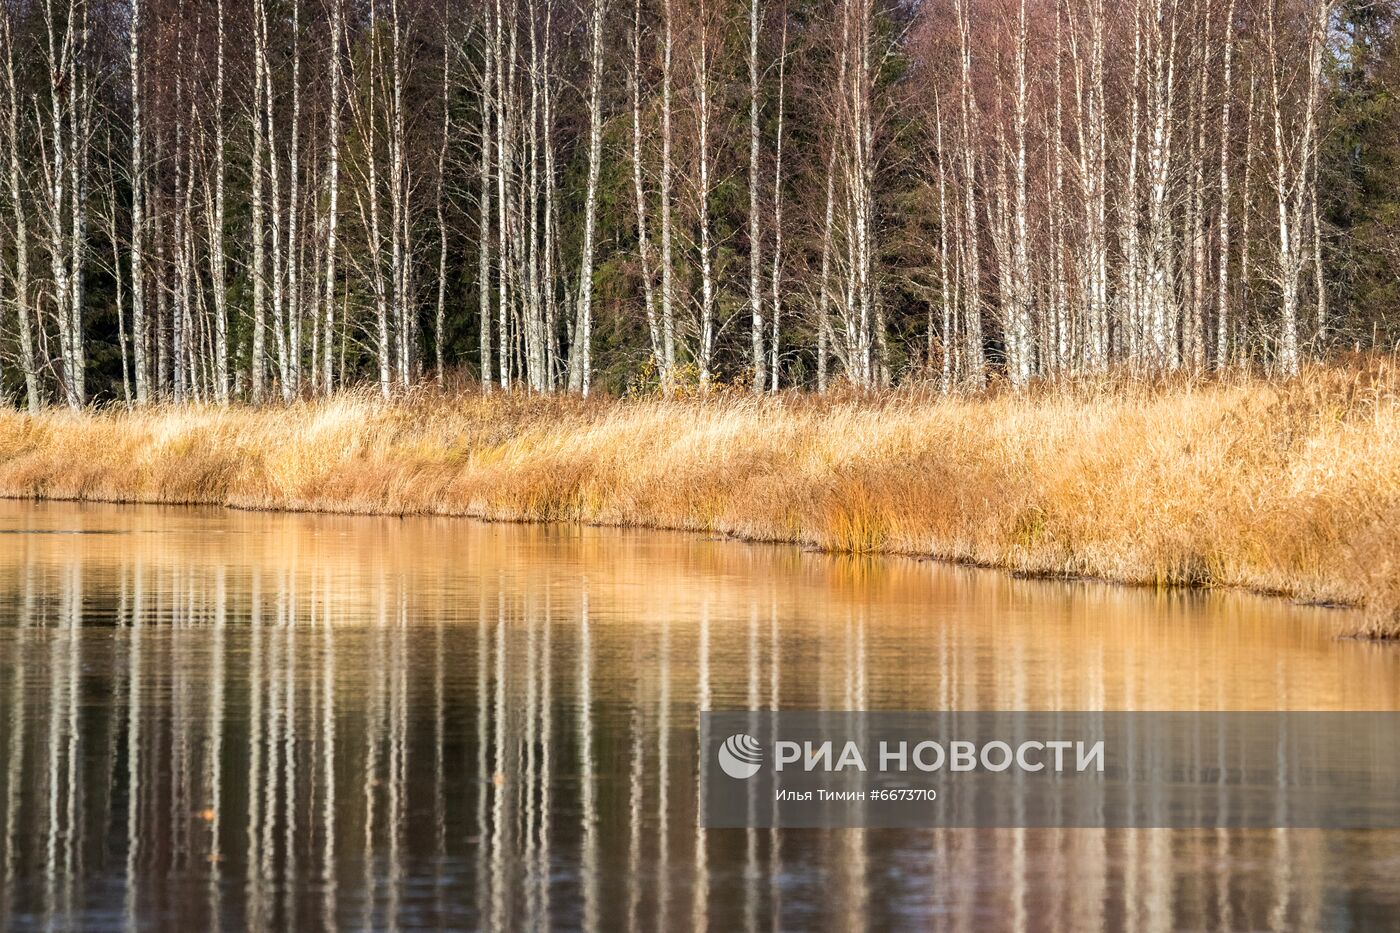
(1284, 487)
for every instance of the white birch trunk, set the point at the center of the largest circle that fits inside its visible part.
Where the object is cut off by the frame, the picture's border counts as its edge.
(668, 314)
(1222, 310)
(639, 193)
(60, 53)
(503, 94)
(483, 245)
(140, 335)
(279, 305)
(1162, 311)
(975, 370)
(1292, 160)
(217, 259)
(293, 262)
(441, 312)
(823, 322)
(1131, 323)
(551, 213)
(1020, 346)
(333, 198)
(775, 341)
(398, 207)
(707, 281)
(23, 310)
(1246, 215)
(755, 231)
(583, 334)
(945, 284)
(256, 362)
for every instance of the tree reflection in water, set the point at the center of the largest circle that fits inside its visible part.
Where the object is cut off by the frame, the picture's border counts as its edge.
(222, 720)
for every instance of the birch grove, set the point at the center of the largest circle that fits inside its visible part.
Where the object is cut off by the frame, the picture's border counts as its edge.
(263, 200)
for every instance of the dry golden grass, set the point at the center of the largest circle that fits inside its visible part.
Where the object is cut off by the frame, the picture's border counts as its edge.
(1291, 488)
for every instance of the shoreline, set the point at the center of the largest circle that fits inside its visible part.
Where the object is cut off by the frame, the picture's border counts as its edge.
(1280, 489)
(735, 538)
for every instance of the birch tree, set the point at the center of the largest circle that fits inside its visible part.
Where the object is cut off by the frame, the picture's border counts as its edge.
(890, 193)
(775, 341)
(217, 259)
(1222, 307)
(968, 114)
(639, 195)
(440, 317)
(580, 374)
(705, 352)
(337, 79)
(1294, 144)
(21, 303)
(257, 351)
(668, 301)
(755, 232)
(66, 34)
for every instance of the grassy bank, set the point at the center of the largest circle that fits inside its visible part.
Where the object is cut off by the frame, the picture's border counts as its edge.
(1287, 488)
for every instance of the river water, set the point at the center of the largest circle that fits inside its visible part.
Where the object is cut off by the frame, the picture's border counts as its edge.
(219, 720)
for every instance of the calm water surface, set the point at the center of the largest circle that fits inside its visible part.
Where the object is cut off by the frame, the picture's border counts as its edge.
(215, 720)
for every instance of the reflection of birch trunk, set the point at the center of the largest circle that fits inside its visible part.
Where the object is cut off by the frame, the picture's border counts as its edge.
(587, 755)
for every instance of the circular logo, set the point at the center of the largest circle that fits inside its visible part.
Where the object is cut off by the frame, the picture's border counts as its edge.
(740, 756)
